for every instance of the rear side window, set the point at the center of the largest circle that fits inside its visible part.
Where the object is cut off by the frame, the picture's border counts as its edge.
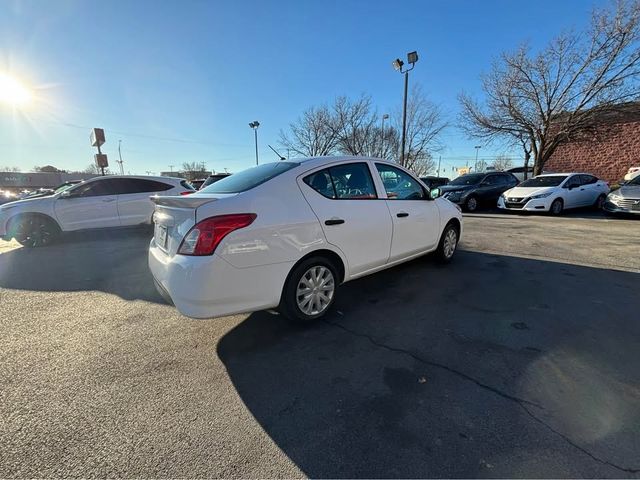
(588, 179)
(351, 181)
(250, 178)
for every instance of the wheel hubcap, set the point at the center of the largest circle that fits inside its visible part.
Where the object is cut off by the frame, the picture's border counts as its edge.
(450, 242)
(315, 290)
(472, 204)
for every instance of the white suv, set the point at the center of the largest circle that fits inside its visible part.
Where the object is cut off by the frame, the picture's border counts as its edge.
(111, 201)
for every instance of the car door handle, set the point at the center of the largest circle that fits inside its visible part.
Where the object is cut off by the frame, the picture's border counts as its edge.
(108, 199)
(402, 214)
(334, 221)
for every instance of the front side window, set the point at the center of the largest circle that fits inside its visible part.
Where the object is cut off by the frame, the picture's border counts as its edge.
(545, 181)
(492, 180)
(93, 189)
(399, 185)
(351, 181)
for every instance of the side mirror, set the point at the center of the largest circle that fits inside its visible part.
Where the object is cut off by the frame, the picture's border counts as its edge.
(434, 193)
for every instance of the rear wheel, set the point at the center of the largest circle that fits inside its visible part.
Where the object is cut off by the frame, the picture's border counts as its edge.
(33, 230)
(448, 243)
(310, 290)
(599, 203)
(556, 207)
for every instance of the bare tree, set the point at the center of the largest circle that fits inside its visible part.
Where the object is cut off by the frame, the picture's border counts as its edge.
(502, 162)
(9, 169)
(543, 100)
(314, 134)
(93, 169)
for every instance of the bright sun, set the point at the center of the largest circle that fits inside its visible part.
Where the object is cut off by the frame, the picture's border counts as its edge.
(13, 92)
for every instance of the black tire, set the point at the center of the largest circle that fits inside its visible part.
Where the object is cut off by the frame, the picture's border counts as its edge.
(599, 203)
(292, 298)
(471, 204)
(557, 207)
(444, 253)
(33, 231)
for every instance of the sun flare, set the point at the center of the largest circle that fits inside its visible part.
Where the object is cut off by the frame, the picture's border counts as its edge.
(13, 92)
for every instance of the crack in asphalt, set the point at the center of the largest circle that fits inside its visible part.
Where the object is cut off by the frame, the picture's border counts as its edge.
(520, 401)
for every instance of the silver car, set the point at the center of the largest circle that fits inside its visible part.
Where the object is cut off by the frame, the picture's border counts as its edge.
(626, 199)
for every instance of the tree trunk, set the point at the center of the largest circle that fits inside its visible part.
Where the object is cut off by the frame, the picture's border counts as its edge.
(527, 157)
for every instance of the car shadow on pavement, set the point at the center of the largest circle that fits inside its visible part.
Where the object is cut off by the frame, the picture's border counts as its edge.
(110, 260)
(493, 366)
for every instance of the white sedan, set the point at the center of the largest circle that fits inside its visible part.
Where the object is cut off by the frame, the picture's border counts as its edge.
(109, 201)
(287, 234)
(555, 192)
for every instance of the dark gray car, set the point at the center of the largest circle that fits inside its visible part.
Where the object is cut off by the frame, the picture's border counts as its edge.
(473, 190)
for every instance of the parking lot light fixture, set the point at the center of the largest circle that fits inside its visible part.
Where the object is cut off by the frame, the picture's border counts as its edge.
(412, 58)
(254, 125)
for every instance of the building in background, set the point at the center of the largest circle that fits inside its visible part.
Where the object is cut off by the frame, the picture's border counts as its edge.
(608, 152)
(19, 181)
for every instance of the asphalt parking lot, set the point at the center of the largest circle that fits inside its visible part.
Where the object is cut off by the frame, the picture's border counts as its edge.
(520, 359)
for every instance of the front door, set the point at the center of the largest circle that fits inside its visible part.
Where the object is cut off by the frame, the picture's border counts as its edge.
(416, 220)
(353, 218)
(89, 205)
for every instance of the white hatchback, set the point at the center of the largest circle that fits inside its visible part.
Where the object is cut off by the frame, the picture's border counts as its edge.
(555, 192)
(101, 202)
(287, 234)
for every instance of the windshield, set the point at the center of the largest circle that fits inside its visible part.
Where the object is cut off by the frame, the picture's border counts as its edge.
(64, 187)
(469, 179)
(634, 181)
(547, 181)
(250, 178)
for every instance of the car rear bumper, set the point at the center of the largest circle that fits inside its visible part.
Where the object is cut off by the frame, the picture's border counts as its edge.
(535, 205)
(209, 286)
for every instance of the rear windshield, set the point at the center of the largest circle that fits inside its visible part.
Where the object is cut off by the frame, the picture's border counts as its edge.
(548, 181)
(250, 178)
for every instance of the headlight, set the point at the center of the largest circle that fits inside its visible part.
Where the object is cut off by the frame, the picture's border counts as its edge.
(614, 196)
(541, 195)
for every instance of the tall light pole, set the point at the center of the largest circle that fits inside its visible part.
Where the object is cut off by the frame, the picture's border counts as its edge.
(120, 155)
(255, 124)
(384, 117)
(475, 167)
(412, 58)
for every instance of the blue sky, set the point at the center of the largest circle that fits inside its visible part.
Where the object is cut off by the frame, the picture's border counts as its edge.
(179, 81)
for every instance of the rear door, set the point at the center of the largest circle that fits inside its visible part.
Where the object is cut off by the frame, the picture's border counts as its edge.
(90, 205)
(416, 220)
(592, 189)
(490, 189)
(134, 204)
(574, 192)
(352, 215)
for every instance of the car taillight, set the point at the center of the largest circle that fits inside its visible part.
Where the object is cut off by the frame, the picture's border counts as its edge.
(187, 192)
(204, 236)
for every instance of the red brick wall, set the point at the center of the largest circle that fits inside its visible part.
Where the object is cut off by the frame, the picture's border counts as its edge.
(608, 154)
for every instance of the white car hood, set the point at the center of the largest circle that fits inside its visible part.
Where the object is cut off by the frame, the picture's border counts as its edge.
(519, 192)
(27, 203)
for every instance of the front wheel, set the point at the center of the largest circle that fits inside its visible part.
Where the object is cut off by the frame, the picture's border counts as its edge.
(33, 230)
(471, 205)
(556, 207)
(310, 290)
(448, 243)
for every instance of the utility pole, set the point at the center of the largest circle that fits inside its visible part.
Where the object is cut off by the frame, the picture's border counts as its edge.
(477, 147)
(384, 117)
(439, 160)
(120, 155)
(412, 58)
(171, 168)
(254, 125)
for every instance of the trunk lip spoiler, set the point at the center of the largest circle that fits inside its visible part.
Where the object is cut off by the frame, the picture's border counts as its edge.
(181, 201)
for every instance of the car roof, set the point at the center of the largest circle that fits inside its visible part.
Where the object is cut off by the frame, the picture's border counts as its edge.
(137, 177)
(564, 174)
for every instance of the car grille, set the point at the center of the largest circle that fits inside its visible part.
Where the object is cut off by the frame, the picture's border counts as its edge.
(628, 203)
(514, 205)
(515, 199)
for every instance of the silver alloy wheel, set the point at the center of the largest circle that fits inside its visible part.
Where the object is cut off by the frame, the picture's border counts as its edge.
(472, 204)
(450, 242)
(315, 290)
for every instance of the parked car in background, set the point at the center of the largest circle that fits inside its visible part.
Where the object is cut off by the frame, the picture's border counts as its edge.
(518, 172)
(287, 234)
(110, 201)
(626, 199)
(7, 196)
(632, 173)
(475, 190)
(213, 179)
(556, 192)
(434, 182)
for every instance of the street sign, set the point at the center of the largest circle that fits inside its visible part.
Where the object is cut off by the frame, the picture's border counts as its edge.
(101, 160)
(97, 137)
